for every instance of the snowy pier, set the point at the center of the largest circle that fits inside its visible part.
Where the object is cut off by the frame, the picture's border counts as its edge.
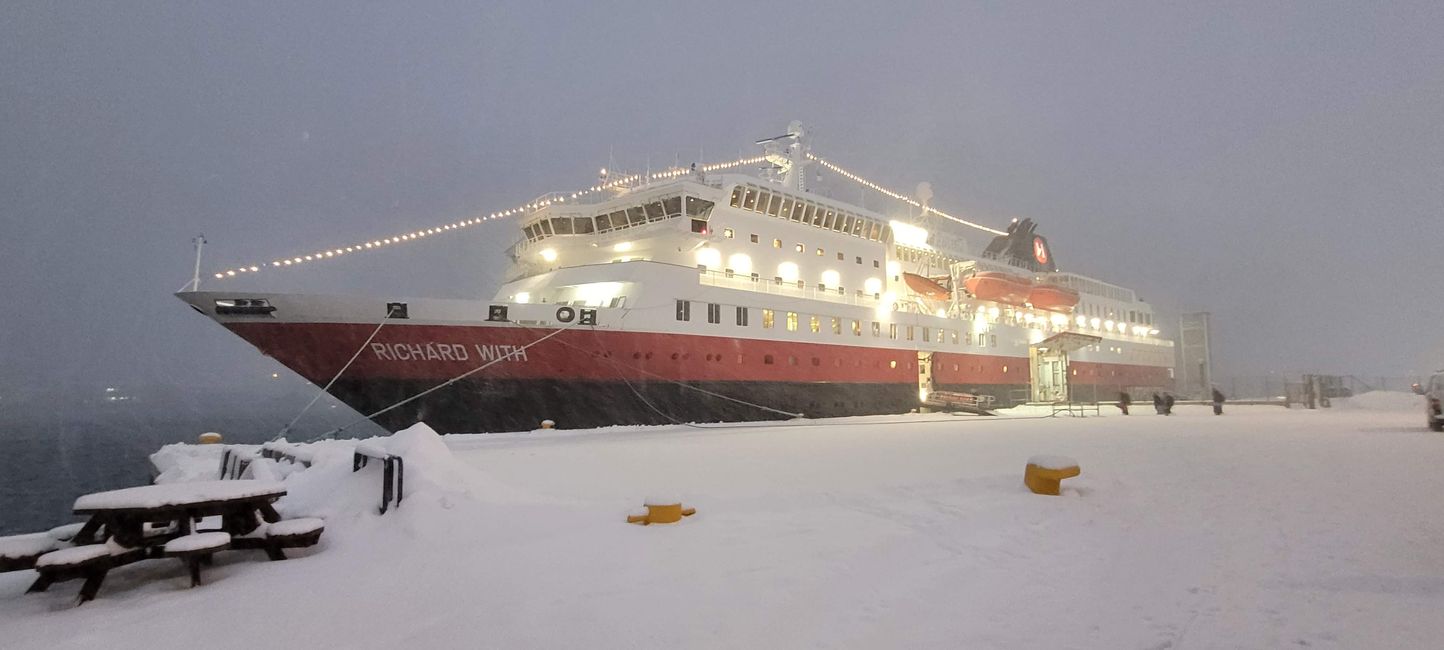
(1265, 527)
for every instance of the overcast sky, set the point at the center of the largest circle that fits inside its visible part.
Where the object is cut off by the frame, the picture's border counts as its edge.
(1278, 164)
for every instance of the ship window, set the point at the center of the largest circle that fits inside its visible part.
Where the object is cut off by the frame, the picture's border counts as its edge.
(777, 243)
(618, 219)
(992, 340)
(635, 216)
(819, 252)
(736, 198)
(582, 225)
(603, 224)
(727, 232)
(672, 206)
(751, 199)
(754, 237)
(827, 222)
(786, 211)
(654, 211)
(955, 337)
(684, 310)
(859, 259)
(876, 264)
(776, 205)
(816, 361)
(562, 225)
(742, 316)
(714, 313)
(791, 360)
(792, 321)
(699, 226)
(847, 223)
(892, 331)
(530, 234)
(836, 325)
(546, 227)
(763, 197)
(799, 248)
(910, 332)
(857, 227)
(807, 214)
(699, 207)
(892, 364)
(876, 329)
(767, 319)
(926, 337)
(815, 323)
(767, 359)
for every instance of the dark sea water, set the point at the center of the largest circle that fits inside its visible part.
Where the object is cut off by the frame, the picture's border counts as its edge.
(47, 459)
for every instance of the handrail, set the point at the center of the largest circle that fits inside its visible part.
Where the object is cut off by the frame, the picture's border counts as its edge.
(393, 474)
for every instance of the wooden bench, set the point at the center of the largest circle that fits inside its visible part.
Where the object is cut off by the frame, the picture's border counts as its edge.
(195, 548)
(273, 538)
(19, 552)
(90, 562)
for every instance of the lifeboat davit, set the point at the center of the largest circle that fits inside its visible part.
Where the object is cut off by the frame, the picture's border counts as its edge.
(926, 287)
(1053, 297)
(999, 287)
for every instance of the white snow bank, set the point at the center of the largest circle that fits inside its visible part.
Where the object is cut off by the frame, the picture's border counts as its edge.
(18, 546)
(1380, 400)
(183, 462)
(171, 494)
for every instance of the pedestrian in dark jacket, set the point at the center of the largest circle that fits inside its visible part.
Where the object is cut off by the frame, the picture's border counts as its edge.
(1217, 402)
(1158, 403)
(1124, 399)
(1168, 403)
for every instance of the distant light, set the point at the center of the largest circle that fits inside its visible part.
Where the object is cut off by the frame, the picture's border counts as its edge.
(908, 234)
(523, 297)
(549, 254)
(275, 375)
(623, 247)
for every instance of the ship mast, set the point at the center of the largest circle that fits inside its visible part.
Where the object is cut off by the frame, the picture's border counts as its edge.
(787, 154)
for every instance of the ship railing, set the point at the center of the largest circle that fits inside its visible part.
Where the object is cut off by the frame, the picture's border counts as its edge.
(774, 286)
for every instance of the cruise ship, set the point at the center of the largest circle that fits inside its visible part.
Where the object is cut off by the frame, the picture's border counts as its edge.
(697, 296)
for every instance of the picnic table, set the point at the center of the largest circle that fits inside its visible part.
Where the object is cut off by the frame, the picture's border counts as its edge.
(155, 521)
(124, 513)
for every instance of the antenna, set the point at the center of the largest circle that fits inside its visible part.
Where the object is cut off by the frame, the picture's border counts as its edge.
(200, 242)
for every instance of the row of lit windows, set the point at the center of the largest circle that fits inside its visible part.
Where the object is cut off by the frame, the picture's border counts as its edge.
(799, 247)
(661, 209)
(792, 322)
(783, 206)
(1085, 285)
(1134, 316)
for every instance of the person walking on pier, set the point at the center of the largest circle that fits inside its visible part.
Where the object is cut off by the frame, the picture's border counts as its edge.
(1217, 401)
(1158, 403)
(1168, 403)
(1124, 399)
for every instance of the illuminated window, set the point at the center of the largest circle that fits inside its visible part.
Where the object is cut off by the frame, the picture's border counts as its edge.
(857, 328)
(876, 329)
(815, 323)
(727, 232)
(892, 364)
(910, 332)
(926, 337)
(799, 248)
(892, 331)
(777, 243)
(837, 325)
(767, 319)
(819, 252)
(792, 321)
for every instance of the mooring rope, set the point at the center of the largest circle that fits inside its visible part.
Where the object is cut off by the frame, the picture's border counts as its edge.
(287, 429)
(442, 385)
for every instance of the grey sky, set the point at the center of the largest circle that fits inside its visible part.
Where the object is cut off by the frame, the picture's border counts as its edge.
(1279, 164)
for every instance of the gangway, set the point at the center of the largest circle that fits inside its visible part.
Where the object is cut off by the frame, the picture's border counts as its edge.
(944, 400)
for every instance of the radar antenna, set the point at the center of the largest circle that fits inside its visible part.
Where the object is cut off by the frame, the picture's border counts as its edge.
(787, 154)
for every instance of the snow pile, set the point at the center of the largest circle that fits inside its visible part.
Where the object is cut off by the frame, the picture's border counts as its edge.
(183, 462)
(1047, 461)
(1380, 400)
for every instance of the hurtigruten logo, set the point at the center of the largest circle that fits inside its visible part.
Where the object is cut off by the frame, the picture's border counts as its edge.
(1040, 250)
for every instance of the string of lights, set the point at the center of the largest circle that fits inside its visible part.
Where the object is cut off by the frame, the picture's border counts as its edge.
(561, 198)
(896, 195)
(557, 198)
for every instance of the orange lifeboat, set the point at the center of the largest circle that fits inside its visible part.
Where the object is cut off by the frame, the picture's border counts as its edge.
(999, 287)
(1053, 297)
(926, 287)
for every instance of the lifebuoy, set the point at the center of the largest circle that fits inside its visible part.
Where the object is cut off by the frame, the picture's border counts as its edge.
(566, 314)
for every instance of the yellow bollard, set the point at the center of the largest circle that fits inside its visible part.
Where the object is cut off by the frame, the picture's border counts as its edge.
(209, 438)
(1044, 474)
(660, 511)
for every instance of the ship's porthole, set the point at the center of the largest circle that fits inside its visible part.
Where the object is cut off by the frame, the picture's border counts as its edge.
(649, 355)
(674, 356)
(636, 355)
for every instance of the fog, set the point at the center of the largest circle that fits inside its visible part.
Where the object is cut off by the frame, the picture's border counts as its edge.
(1277, 165)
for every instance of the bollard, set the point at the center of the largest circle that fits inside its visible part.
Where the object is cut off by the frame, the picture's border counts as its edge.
(548, 424)
(209, 438)
(660, 511)
(1044, 474)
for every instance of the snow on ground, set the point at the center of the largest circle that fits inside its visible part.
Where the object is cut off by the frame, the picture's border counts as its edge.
(1382, 400)
(1263, 528)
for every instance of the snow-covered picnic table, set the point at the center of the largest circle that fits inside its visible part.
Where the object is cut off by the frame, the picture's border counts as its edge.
(125, 512)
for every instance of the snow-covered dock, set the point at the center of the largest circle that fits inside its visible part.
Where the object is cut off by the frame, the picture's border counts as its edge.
(1262, 528)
